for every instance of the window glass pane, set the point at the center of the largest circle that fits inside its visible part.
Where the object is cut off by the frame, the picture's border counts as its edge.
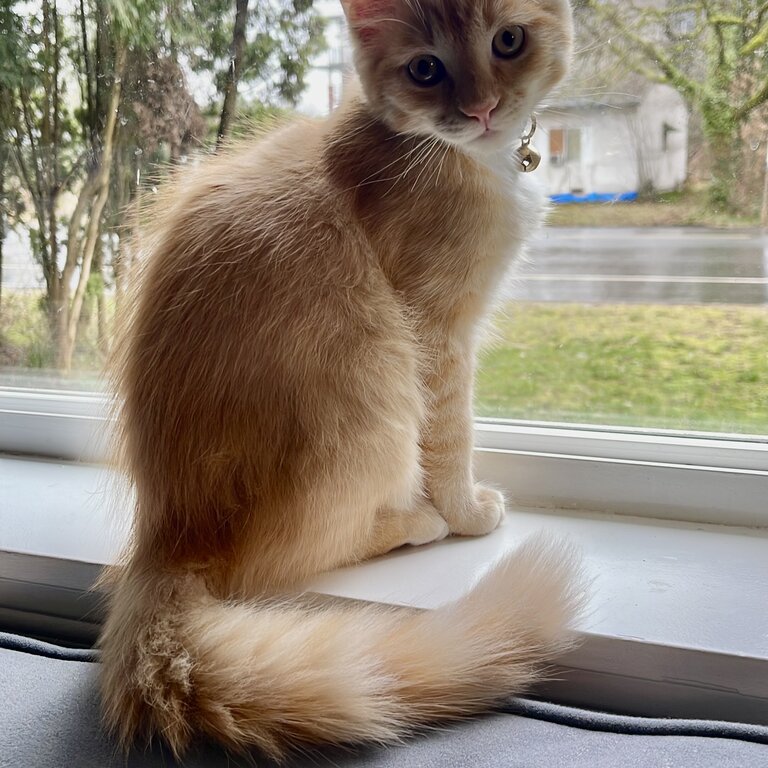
(100, 102)
(644, 302)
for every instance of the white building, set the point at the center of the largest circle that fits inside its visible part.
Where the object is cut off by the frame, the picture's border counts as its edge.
(614, 148)
(325, 80)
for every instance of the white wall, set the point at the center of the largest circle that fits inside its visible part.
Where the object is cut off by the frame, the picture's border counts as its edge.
(667, 167)
(622, 146)
(608, 160)
(325, 79)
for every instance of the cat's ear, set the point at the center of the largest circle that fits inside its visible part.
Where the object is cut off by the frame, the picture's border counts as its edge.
(365, 16)
(359, 10)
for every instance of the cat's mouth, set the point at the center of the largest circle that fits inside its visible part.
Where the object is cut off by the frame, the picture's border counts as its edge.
(490, 137)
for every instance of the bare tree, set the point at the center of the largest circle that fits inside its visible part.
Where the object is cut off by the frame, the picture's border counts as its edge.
(713, 52)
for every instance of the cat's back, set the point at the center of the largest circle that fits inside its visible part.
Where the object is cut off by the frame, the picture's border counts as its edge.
(261, 217)
(277, 173)
(255, 255)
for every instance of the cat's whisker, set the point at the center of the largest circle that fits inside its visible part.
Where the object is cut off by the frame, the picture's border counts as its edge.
(400, 135)
(371, 180)
(600, 44)
(439, 167)
(412, 163)
(432, 150)
(398, 177)
(432, 174)
(414, 149)
(373, 22)
(550, 111)
(361, 128)
(418, 11)
(424, 148)
(601, 92)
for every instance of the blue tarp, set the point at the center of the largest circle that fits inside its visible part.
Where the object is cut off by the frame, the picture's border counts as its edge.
(594, 197)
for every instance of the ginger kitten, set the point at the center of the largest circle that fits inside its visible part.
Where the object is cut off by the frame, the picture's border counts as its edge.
(296, 381)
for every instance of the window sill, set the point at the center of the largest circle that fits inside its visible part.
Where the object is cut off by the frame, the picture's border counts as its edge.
(695, 477)
(677, 625)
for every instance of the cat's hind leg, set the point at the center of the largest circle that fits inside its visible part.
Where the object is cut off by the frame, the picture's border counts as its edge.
(395, 527)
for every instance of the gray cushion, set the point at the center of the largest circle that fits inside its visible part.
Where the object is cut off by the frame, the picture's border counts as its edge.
(49, 718)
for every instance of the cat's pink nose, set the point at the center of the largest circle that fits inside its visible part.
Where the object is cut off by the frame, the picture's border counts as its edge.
(482, 111)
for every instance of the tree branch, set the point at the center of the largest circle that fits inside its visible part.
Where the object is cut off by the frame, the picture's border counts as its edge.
(71, 174)
(650, 75)
(56, 96)
(675, 77)
(760, 96)
(36, 199)
(758, 40)
(38, 187)
(26, 176)
(53, 176)
(724, 20)
(45, 128)
(73, 230)
(233, 75)
(97, 207)
(88, 74)
(718, 32)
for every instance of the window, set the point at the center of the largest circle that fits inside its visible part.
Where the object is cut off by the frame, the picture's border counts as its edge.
(557, 146)
(628, 373)
(657, 330)
(666, 129)
(564, 145)
(661, 330)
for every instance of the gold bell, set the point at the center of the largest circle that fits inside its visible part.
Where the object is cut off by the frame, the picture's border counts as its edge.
(528, 156)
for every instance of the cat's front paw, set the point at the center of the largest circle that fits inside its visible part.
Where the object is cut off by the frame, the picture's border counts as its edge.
(482, 516)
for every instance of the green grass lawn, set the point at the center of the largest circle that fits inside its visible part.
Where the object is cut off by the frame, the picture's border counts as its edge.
(678, 367)
(671, 209)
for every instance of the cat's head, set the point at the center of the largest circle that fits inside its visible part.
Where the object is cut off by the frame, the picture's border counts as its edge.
(466, 71)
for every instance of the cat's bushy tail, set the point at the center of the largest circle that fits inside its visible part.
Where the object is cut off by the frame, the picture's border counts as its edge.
(178, 662)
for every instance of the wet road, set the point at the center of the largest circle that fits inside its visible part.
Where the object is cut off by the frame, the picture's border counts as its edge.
(632, 266)
(662, 266)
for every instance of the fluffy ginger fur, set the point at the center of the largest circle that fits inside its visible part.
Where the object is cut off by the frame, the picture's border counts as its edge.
(296, 380)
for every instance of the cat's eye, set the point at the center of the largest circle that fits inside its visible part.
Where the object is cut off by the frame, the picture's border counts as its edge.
(509, 42)
(426, 70)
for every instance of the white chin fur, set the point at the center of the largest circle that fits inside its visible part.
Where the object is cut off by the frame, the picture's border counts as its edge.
(485, 144)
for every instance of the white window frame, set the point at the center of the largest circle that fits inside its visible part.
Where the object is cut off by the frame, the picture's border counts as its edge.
(54, 423)
(693, 477)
